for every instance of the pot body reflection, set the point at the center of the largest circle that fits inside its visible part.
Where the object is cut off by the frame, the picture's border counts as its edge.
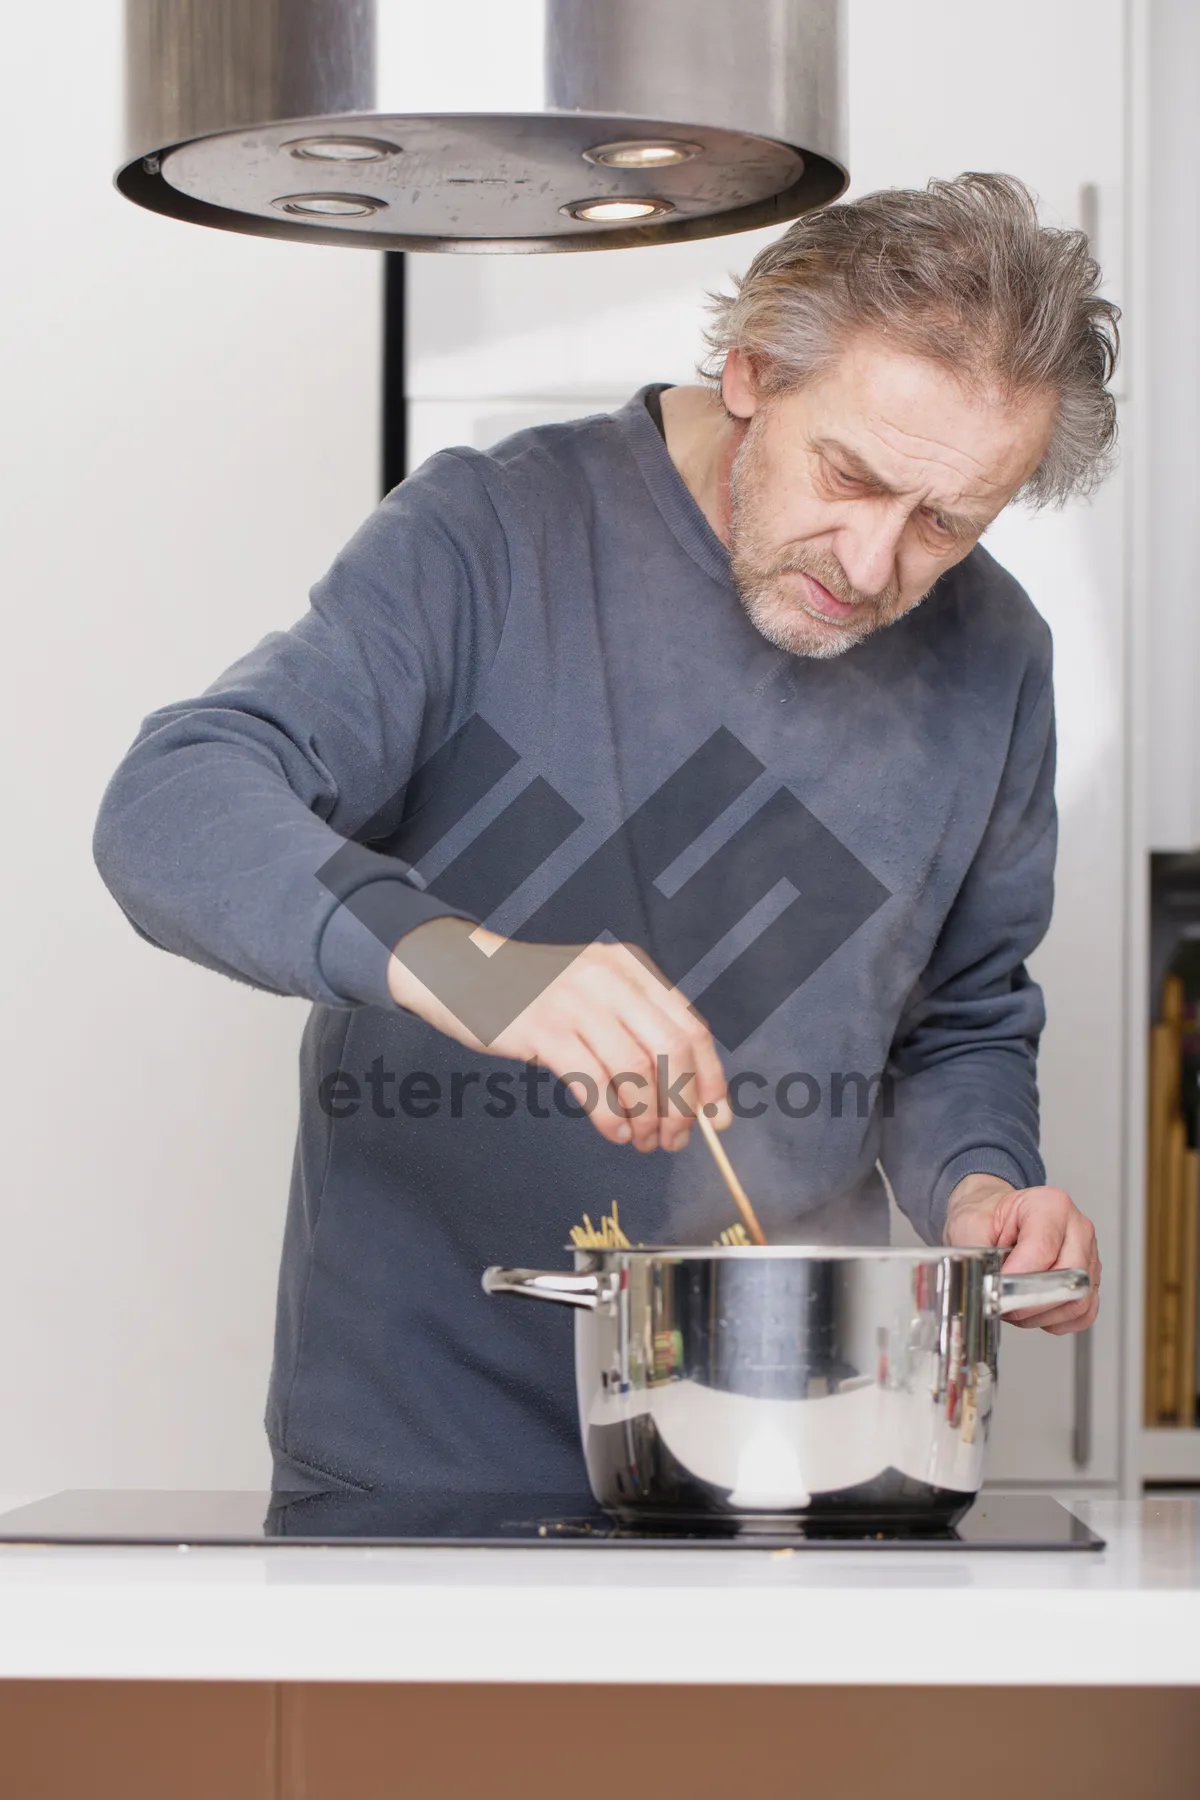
(849, 1386)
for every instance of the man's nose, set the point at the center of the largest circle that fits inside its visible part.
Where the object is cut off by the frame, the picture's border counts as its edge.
(867, 548)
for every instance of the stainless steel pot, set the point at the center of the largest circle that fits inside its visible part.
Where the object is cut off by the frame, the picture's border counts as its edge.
(850, 1386)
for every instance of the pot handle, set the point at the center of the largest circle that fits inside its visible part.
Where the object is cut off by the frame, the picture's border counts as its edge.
(1043, 1287)
(588, 1291)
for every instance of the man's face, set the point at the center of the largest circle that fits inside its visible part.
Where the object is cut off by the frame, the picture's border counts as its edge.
(850, 496)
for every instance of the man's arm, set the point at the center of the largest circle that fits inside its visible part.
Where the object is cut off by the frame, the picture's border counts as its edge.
(228, 834)
(214, 827)
(961, 1150)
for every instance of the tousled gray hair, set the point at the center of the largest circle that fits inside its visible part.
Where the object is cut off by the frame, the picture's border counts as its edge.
(961, 272)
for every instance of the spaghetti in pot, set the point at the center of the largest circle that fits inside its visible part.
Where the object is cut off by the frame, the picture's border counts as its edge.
(608, 1235)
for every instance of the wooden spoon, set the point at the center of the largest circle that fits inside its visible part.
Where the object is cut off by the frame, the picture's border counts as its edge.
(740, 1199)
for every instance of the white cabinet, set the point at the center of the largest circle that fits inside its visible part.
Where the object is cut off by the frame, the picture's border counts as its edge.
(1036, 90)
(1164, 740)
(1171, 377)
(1072, 564)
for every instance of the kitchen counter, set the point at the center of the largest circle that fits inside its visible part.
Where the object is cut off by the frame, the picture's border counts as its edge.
(1127, 1615)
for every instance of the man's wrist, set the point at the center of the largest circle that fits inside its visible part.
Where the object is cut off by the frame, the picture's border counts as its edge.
(974, 1195)
(433, 946)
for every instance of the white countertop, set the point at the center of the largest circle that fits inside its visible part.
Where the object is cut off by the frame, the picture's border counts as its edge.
(1127, 1615)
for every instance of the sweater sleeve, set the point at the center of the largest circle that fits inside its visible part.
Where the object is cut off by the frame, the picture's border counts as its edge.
(216, 833)
(964, 1059)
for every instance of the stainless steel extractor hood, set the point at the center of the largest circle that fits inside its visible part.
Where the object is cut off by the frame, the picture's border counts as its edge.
(521, 125)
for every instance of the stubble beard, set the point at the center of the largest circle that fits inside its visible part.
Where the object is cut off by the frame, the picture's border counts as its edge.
(776, 606)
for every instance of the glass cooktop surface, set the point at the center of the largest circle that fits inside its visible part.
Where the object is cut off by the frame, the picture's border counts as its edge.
(539, 1521)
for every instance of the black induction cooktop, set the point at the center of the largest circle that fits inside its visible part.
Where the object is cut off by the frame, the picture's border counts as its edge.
(541, 1521)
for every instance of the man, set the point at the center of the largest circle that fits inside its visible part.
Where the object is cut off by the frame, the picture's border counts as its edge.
(717, 690)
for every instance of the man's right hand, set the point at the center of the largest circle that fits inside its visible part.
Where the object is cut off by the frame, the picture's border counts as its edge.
(603, 1019)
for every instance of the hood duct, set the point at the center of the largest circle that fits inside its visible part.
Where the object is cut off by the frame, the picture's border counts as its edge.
(520, 125)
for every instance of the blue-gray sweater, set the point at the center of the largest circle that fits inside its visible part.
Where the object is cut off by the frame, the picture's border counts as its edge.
(526, 693)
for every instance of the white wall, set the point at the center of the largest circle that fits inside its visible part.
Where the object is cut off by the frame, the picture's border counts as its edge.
(190, 432)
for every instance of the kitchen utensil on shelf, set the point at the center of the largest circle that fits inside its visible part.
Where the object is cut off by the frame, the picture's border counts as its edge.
(740, 1198)
(798, 1381)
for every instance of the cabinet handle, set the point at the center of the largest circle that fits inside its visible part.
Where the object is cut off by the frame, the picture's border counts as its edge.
(1081, 1433)
(1089, 213)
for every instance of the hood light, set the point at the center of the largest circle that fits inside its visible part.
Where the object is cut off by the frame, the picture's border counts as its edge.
(642, 154)
(616, 212)
(341, 149)
(330, 206)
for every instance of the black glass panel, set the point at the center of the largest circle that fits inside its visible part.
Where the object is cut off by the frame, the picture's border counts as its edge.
(148, 1516)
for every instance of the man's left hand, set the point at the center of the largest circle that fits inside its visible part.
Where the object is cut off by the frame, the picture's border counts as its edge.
(1045, 1229)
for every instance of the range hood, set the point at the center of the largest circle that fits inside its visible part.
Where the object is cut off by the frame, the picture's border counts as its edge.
(510, 125)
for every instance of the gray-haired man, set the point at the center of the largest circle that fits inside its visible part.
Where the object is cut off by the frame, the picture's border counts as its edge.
(624, 678)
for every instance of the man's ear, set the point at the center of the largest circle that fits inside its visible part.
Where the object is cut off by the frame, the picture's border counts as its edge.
(739, 389)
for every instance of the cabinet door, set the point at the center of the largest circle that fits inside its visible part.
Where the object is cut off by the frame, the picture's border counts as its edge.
(1037, 91)
(1072, 565)
(1031, 89)
(1169, 400)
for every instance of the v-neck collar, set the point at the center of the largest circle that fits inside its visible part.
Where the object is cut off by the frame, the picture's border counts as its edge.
(669, 491)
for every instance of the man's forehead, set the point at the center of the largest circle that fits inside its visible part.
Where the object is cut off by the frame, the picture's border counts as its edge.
(915, 424)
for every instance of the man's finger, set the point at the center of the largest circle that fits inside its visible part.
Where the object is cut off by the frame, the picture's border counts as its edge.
(710, 1085)
(1076, 1315)
(626, 1081)
(708, 1088)
(1036, 1236)
(1078, 1252)
(574, 1057)
(1067, 1327)
(1059, 1319)
(679, 1048)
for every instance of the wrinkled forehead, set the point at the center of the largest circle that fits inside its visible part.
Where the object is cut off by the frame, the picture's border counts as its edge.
(915, 425)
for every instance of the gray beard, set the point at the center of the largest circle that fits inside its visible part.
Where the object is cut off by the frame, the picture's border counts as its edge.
(788, 627)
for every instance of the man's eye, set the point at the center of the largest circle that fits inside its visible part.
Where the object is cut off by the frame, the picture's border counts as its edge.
(840, 477)
(942, 526)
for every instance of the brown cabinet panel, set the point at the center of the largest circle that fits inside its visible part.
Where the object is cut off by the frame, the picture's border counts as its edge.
(543, 1743)
(139, 1740)
(114, 1740)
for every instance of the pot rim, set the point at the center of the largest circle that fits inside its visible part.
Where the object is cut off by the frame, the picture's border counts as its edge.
(791, 1252)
